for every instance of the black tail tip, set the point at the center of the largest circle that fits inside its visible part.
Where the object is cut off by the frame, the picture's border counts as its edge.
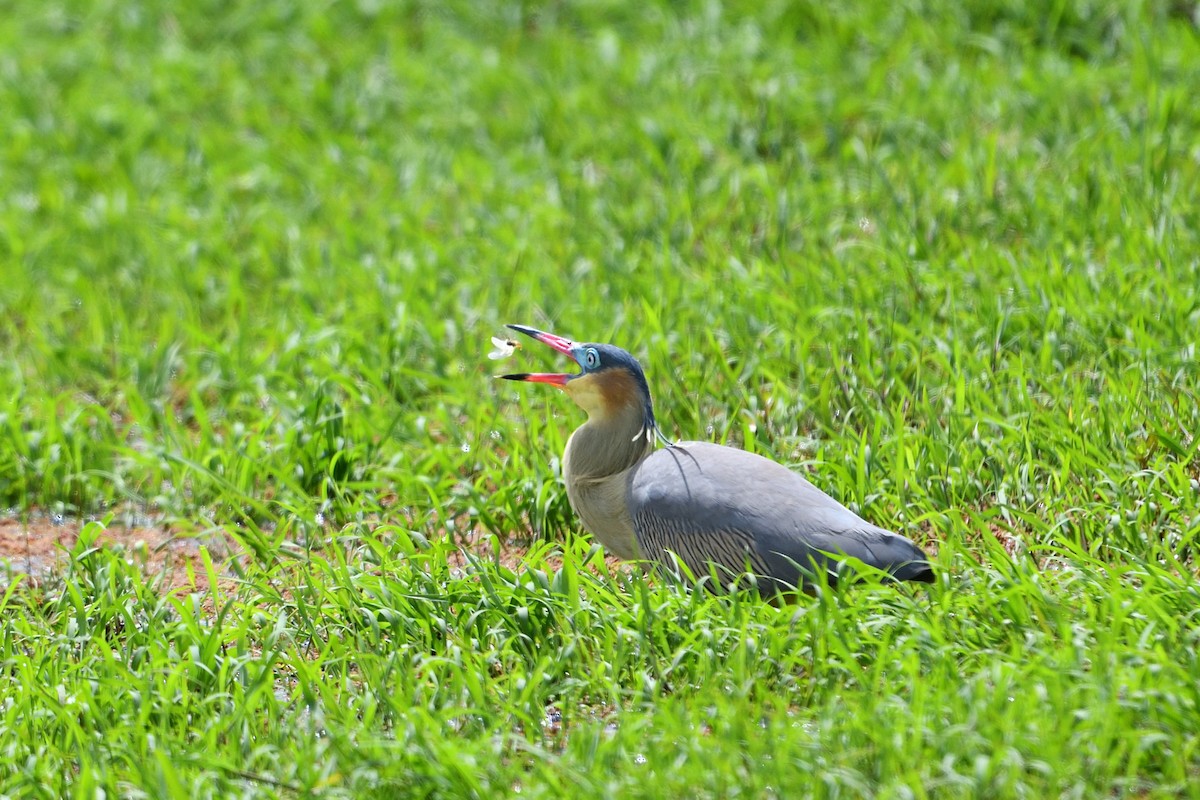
(917, 571)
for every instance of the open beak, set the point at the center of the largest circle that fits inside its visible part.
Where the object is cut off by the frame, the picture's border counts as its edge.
(559, 343)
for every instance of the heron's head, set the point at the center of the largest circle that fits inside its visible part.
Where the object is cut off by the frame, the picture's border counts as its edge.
(610, 380)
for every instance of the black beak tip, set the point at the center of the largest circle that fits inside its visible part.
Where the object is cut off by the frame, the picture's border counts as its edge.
(525, 329)
(516, 376)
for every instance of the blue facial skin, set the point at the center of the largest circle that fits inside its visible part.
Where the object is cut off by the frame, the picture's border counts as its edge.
(596, 358)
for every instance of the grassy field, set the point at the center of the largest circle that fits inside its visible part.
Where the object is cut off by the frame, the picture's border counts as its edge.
(941, 257)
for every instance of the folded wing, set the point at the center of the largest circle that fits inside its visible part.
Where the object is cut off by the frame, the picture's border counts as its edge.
(715, 505)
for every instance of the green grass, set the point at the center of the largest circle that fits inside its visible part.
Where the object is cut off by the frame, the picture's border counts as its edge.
(942, 257)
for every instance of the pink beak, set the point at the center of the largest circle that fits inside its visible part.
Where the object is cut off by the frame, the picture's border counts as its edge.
(559, 343)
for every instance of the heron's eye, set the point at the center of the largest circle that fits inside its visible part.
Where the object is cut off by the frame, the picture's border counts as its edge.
(591, 358)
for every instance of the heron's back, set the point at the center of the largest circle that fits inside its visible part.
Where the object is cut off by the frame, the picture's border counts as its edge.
(715, 505)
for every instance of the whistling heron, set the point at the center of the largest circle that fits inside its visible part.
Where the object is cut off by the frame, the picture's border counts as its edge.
(713, 507)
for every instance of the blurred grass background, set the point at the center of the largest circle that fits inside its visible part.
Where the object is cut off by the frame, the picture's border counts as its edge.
(941, 256)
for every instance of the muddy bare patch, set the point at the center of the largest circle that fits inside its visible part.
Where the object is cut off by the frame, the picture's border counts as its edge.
(39, 546)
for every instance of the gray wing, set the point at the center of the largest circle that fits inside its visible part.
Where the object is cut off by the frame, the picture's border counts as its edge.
(715, 505)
